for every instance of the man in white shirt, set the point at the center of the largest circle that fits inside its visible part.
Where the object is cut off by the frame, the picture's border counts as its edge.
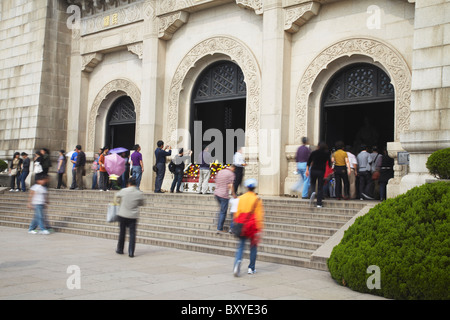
(365, 177)
(239, 163)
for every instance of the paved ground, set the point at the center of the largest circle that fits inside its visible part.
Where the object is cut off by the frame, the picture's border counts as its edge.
(36, 267)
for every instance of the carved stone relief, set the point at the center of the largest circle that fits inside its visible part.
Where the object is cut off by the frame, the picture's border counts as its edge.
(90, 61)
(256, 5)
(124, 85)
(391, 60)
(119, 16)
(137, 49)
(170, 23)
(298, 15)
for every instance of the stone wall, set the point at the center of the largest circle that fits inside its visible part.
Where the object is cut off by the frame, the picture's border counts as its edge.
(430, 107)
(34, 79)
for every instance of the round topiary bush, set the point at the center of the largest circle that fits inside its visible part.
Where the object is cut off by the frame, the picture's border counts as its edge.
(408, 239)
(3, 166)
(438, 164)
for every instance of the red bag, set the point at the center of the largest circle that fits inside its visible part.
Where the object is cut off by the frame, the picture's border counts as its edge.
(248, 224)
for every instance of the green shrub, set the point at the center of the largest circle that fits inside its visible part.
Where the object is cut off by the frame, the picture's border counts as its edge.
(3, 166)
(438, 164)
(408, 238)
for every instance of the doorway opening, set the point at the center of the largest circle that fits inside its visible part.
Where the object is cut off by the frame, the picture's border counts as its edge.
(121, 120)
(358, 108)
(219, 109)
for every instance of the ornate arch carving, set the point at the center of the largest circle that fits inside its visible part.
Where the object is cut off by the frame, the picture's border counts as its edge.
(124, 85)
(392, 62)
(239, 53)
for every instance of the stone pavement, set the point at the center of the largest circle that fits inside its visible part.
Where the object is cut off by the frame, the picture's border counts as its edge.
(36, 267)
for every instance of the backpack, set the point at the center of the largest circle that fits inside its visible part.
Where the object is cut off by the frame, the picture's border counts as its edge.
(172, 167)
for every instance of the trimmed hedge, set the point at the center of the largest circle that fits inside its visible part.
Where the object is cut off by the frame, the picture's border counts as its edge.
(3, 166)
(438, 164)
(408, 238)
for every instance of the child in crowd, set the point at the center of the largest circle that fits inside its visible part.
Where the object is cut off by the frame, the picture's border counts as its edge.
(38, 200)
(233, 208)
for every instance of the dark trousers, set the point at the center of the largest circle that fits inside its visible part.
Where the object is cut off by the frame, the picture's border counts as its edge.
(23, 177)
(365, 183)
(223, 204)
(177, 179)
(316, 177)
(341, 174)
(160, 176)
(80, 172)
(74, 179)
(239, 174)
(125, 223)
(103, 183)
(60, 180)
(15, 181)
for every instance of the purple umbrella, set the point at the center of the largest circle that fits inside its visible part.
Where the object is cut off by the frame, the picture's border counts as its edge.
(114, 164)
(118, 150)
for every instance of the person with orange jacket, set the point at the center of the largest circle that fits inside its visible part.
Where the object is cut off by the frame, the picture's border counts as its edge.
(250, 207)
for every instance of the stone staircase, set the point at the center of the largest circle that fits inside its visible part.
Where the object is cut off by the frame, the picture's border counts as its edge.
(293, 230)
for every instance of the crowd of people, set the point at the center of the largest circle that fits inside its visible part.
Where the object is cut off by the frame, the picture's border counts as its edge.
(322, 173)
(339, 174)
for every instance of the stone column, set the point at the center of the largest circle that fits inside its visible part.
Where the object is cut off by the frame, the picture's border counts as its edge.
(152, 97)
(274, 100)
(430, 108)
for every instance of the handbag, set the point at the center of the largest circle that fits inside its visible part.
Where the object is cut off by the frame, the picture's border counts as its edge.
(111, 214)
(38, 168)
(376, 175)
(13, 172)
(245, 224)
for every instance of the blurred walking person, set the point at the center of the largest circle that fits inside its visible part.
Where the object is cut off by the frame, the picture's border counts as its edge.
(38, 200)
(316, 168)
(130, 199)
(224, 186)
(251, 212)
(301, 158)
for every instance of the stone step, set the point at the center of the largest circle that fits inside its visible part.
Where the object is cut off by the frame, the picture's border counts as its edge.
(147, 229)
(293, 230)
(324, 220)
(336, 214)
(185, 222)
(265, 253)
(191, 199)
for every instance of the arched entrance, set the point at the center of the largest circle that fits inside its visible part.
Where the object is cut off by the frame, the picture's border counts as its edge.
(358, 107)
(218, 110)
(121, 124)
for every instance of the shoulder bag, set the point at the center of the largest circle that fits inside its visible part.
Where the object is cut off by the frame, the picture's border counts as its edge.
(245, 224)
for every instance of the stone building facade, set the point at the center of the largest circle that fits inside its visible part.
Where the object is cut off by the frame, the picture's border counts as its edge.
(98, 72)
